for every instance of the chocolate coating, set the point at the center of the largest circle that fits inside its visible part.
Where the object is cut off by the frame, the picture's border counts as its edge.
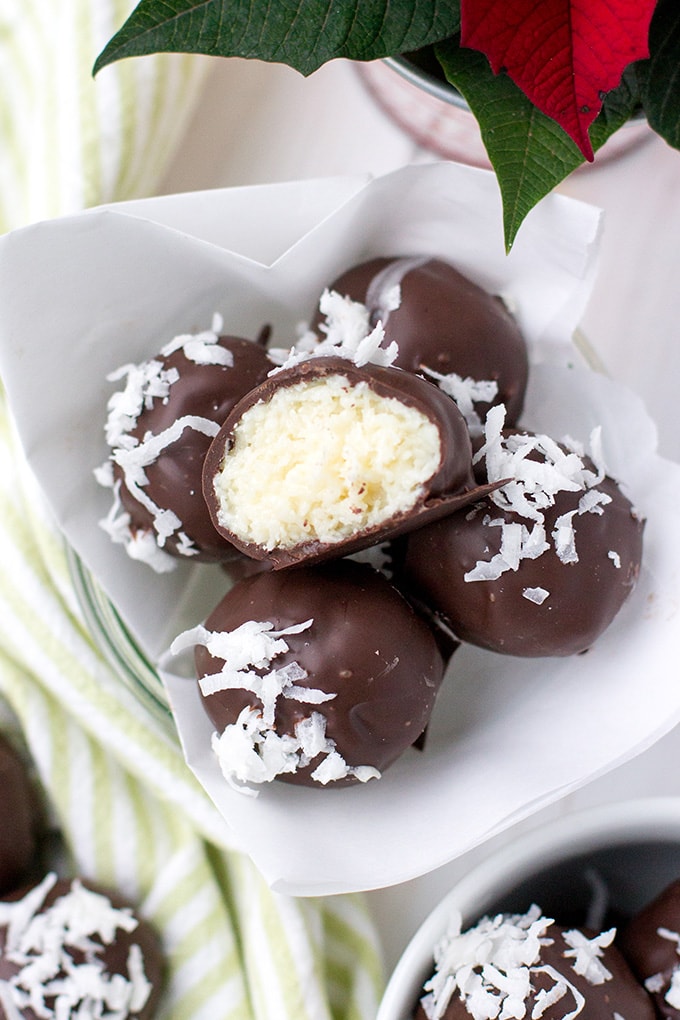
(651, 942)
(583, 596)
(174, 478)
(445, 322)
(39, 965)
(366, 646)
(21, 820)
(617, 996)
(451, 485)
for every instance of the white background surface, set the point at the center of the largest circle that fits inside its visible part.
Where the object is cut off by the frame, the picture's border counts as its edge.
(261, 123)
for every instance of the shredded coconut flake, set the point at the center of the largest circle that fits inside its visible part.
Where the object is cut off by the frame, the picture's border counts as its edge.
(655, 983)
(202, 348)
(672, 996)
(587, 954)
(491, 967)
(143, 384)
(133, 459)
(532, 490)
(347, 334)
(466, 392)
(250, 750)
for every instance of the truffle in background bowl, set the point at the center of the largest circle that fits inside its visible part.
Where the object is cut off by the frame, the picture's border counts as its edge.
(608, 861)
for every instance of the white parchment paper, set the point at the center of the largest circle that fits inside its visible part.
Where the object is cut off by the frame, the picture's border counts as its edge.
(82, 295)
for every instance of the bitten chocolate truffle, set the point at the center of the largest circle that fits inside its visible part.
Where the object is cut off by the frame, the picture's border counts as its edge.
(651, 944)
(543, 565)
(526, 966)
(326, 458)
(447, 327)
(70, 950)
(319, 675)
(159, 428)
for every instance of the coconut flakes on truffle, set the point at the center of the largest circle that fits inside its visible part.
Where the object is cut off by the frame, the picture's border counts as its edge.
(133, 457)
(466, 392)
(490, 968)
(58, 952)
(656, 982)
(532, 490)
(143, 384)
(347, 334)
(251, 750)
(587, 952)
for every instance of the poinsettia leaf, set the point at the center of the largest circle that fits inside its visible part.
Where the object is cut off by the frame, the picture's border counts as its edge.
(301, 33)
(530, 153)
(563, 54)
(661, 90)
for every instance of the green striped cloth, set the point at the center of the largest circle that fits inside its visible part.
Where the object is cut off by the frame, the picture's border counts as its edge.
(131, 814)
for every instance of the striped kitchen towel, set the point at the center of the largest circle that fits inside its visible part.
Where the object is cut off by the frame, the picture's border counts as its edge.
(130, 812)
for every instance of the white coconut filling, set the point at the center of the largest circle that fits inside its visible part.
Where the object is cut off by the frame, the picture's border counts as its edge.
(322, 460)
(250, 750)
(45, 945)
(532, 490)
(490, 968)
(347, 333)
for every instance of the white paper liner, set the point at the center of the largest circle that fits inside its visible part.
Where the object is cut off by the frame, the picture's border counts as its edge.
(82, 295)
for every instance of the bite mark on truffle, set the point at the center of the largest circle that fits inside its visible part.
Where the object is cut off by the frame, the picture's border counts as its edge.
(321, 460)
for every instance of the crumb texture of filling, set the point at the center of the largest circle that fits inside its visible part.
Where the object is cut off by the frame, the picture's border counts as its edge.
(321, 460)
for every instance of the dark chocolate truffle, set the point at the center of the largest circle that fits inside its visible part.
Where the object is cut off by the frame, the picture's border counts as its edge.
(68, 949)
(651, 944)
(446, 325)
(20, 818)
(528, 966)
(316, 675)
(326, 458)
(159, 429)
(543, 565)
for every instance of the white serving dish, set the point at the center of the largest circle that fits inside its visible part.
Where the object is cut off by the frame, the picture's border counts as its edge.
(633, 847)
(80, 296)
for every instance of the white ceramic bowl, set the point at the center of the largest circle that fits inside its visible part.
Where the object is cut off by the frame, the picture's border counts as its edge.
(634, 846)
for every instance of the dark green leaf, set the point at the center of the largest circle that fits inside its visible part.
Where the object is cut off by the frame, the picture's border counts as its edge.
(661, 88)
(301, 33)
(529, 152)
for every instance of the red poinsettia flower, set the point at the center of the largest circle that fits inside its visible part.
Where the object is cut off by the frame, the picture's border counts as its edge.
(565, 55)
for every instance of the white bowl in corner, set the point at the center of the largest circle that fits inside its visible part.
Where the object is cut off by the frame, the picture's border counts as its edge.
(633, 846)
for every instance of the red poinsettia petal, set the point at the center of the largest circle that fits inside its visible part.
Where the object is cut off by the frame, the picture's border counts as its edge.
(563, 54)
